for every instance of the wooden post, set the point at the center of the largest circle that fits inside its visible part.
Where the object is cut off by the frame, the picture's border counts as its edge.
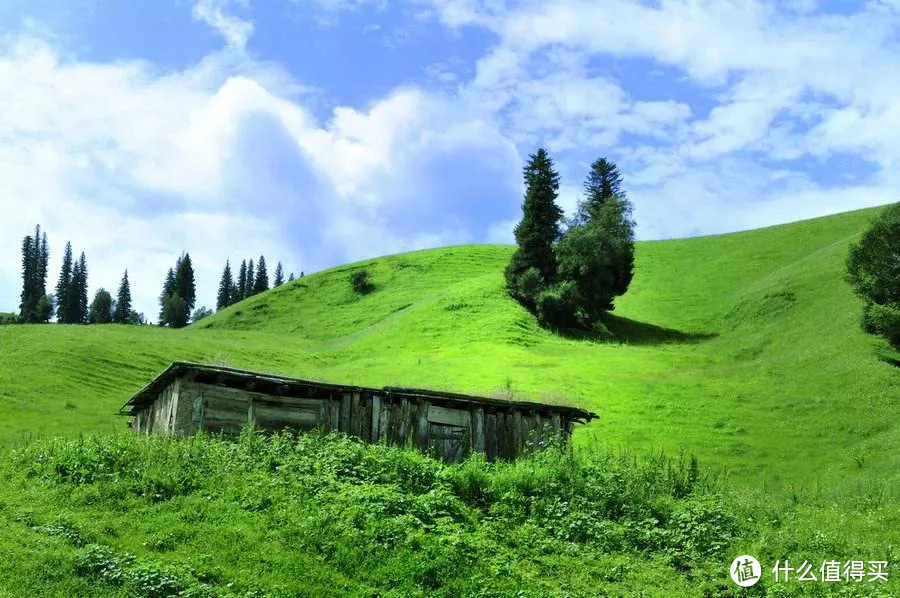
(250, 411)
(557, 423)
(422, 425)
(384, 430)
(478, 429)
(491, 433)
(334, 414)
(345, 413)
(403, 433)
(173, 406)
(355, 416)
(518, 432)
(376, 418)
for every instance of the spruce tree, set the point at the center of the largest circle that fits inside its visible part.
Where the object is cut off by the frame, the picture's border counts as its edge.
(184, 282)
(34, 299)
(164, 298)
(603, 184)
(291, 277)
(240, 291)
(27, 304)
(596, 255)
(122, 313)
(101, 311)
(79, 291)
(63, 287)
(251, 280)
(279, 276)
(226, 288)
(533, 265)
(261, 284)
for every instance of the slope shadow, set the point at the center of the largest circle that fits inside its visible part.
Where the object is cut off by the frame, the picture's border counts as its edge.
(619, 329)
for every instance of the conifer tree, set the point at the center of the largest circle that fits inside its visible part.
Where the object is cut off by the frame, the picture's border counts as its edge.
(279, 276)
(291, 277)
(164, 298)
(122, 313)
(34, 299)
(533, 265)
(251, 280)
(225, 296)
(261, 284)
(184, 282)
(603, 184)
(240, 291)
(63, 287)
(79, 291)
(101, 310)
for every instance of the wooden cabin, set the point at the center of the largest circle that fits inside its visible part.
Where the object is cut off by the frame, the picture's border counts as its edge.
(188, 397)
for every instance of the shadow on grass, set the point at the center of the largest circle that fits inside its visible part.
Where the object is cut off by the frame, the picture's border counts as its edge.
(625, 330)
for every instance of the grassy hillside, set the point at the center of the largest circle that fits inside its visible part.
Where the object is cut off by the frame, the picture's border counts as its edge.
(743, 349)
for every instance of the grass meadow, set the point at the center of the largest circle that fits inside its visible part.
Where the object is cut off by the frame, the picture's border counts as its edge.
(742, 351)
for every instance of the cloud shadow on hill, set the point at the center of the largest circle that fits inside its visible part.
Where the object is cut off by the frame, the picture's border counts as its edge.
(625, 330)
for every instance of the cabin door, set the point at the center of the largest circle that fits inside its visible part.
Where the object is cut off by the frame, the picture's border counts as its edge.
(449, 443)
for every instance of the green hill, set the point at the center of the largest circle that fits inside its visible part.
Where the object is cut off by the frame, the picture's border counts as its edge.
(743, 349)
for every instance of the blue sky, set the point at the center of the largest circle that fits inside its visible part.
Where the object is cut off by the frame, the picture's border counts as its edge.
(317, 132)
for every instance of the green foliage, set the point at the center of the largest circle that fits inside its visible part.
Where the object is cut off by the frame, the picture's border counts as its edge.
(261, 283)
(539, 228)
(603, 184)
(178, 295)
(8, 318)
(34, 278)
(361, 282)
(123, 314)
(592, 262)
(251, 280)
(376, 517)
(63, 287)
(279, 276)
(226, 294)
(885, 320)
(557, 305)
(240, 291)
(101, 311)
(523, 282)
(78, 292)
(873, 269)
(200, 313)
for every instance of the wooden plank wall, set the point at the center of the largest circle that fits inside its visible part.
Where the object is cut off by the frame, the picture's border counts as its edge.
(186, 406)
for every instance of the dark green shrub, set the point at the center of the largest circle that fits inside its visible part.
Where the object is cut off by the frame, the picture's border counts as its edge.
(874, 272)
(885, 320)
(361, 283)
(558, 306)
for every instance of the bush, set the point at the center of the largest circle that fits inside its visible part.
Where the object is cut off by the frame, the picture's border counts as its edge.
(874, 272)
(885, 320)
(558, 306)
(361, 283)
(523, 282)
(8, 318)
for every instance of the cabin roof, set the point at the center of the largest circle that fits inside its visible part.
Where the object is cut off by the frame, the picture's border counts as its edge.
(283, 386)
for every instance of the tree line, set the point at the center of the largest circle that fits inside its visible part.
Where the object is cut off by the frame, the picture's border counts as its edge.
(70, 301)
(251, 280)
(568, 273)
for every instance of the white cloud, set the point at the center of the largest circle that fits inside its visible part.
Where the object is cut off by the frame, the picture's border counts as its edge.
(235, 31)
(133, 167)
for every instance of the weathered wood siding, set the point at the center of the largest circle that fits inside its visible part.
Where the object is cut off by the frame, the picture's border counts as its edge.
(445, 430)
